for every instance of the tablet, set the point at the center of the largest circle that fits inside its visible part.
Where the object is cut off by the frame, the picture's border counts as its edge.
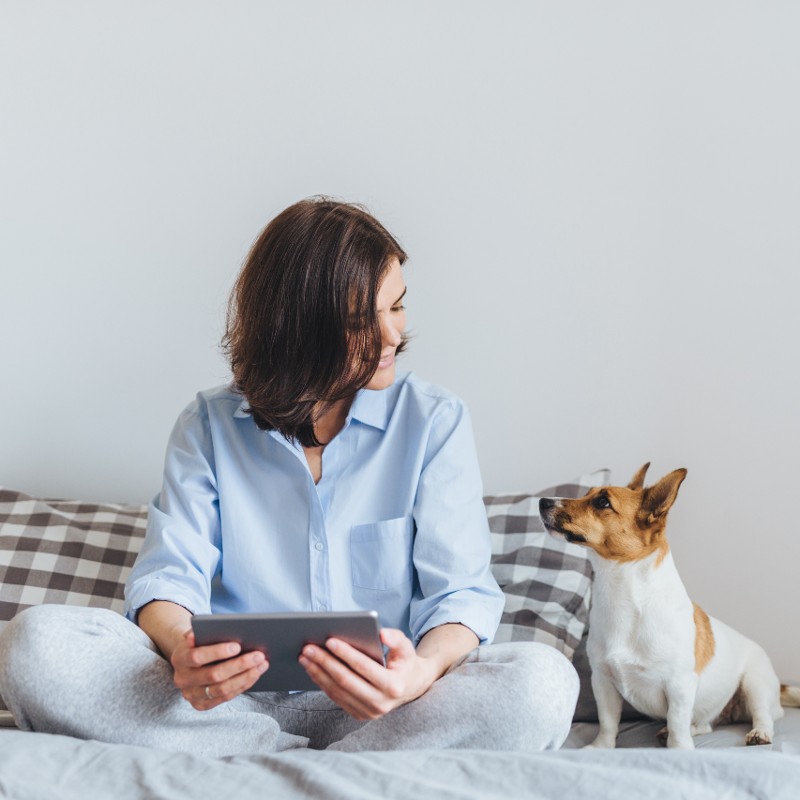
(281, 637)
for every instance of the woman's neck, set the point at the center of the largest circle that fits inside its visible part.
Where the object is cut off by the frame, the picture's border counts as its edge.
(332, 420)
(325, 428)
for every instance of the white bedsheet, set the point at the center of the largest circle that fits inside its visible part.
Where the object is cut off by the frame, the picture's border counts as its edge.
(43, 766)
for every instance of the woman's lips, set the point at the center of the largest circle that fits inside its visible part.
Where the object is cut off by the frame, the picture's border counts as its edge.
(386, 361)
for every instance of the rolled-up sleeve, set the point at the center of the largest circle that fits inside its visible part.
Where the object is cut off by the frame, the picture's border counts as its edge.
(181, 551)
(452, 546)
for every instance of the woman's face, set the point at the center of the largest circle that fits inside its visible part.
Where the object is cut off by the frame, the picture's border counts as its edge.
(392, 320)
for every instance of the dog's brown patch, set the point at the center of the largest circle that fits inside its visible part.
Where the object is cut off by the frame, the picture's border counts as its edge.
(703, 639)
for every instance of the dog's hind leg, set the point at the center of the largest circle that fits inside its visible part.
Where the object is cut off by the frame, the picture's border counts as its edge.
(763, 727)
(761, 693)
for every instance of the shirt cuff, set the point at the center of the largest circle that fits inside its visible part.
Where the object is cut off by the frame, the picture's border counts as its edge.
(139, 595)
(482, 623)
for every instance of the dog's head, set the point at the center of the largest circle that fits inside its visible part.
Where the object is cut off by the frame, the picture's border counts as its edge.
(620, 523)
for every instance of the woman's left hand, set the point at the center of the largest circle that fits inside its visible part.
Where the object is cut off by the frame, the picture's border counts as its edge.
(361, 686)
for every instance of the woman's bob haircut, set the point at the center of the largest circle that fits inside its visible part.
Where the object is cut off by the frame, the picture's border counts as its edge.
(302, 329)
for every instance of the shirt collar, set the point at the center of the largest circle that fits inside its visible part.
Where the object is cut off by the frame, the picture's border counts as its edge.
(241, 411)
(369, 407)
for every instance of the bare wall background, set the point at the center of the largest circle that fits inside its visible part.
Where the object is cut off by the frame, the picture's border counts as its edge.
(600, 201)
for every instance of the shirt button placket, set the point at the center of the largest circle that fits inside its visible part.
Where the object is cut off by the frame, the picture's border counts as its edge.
(318, 557)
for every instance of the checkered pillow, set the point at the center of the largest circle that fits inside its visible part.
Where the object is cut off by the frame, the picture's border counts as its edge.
(59, 551)
(546, 580)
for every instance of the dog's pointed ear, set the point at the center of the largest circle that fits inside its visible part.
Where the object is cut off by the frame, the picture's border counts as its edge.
(638, 479)
(658, 499)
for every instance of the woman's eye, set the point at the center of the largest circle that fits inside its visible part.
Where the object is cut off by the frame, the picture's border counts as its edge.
(397, 309)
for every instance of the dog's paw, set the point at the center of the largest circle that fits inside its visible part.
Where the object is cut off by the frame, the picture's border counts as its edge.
(685, 743)
(758, 737)
(601, 743)
(665, 740)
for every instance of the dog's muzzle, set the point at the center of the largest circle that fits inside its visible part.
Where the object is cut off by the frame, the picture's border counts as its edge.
(547, 506)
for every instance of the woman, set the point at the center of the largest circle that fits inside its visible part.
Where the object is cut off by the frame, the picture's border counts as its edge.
(318, 480)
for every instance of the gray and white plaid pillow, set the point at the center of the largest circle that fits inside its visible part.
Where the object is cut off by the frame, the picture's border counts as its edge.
(59, 551)
(546, 580)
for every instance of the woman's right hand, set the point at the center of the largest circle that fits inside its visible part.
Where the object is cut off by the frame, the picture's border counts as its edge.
(219, 668)
(213, 674)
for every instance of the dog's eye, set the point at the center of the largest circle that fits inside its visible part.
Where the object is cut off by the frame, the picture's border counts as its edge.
(601, 502)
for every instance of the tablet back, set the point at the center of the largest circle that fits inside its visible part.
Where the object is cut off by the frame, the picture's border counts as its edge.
(281, 637)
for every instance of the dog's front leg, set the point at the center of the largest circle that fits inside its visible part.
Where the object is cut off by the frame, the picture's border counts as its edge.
(609, 709)
(680, 691)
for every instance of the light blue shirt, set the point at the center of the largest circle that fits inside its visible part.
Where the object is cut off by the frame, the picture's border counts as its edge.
(396, 522)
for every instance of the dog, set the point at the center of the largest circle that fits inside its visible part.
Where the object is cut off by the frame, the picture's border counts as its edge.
(648, 643)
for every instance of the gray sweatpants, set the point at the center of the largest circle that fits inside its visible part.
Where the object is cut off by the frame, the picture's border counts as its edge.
(93, 674)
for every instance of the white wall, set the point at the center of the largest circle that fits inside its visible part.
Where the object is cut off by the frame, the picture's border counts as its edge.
(601, 203)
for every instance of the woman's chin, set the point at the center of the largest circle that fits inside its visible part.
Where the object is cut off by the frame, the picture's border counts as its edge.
(382, 379)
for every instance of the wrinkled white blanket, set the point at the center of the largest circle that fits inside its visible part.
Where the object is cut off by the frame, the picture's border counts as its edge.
(36, 765)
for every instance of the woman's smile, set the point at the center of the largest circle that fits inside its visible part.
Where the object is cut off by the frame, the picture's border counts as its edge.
(386, 360)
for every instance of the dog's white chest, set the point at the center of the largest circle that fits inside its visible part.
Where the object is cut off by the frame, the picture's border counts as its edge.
(637, 670)
(636, 633)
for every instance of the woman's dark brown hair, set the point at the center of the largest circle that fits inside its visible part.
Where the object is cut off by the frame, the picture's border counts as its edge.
(302, 327)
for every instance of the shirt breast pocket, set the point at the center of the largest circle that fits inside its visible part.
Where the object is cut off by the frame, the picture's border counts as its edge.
(381, 554)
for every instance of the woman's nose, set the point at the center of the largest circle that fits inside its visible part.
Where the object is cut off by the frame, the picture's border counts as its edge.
(390, 333)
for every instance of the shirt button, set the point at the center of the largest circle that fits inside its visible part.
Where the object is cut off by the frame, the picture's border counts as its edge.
(319, 546)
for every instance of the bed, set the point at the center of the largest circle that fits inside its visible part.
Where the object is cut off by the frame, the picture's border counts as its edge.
(55, 551)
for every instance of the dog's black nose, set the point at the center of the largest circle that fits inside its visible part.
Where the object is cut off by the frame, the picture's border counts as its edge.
(546, 503)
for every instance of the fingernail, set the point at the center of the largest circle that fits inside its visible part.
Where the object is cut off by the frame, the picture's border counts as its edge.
(309, 651)
(263, 666)
(304, 662)
(332, 644)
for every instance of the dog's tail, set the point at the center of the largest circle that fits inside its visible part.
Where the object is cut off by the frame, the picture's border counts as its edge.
(790, 696)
